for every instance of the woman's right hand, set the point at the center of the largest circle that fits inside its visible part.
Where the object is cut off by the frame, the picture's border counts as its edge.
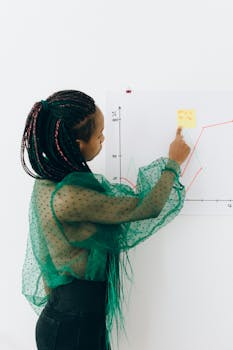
(179, 150)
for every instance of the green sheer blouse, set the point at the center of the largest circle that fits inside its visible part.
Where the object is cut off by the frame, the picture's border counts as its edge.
(76, 224)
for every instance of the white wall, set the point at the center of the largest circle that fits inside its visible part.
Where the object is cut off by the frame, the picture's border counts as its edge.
(182, 297)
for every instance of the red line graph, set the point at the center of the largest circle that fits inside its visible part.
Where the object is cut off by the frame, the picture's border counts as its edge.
(129, 182)
(190, 157)
(194, 178)
(195, 147)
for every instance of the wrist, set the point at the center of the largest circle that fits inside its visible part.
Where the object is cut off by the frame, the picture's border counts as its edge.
(171, 171)
(175, 165)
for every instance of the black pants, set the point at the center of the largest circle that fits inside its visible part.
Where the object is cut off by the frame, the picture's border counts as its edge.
(73, 318)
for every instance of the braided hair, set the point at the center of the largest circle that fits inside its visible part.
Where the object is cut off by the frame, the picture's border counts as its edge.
(50, 134)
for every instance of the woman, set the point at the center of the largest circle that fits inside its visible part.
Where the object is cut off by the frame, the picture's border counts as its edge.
(80, 223)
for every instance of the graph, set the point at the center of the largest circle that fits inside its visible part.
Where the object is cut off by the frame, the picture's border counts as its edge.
(141, 125)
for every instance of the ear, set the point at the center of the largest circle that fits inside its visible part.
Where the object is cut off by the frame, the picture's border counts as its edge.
(80, 144)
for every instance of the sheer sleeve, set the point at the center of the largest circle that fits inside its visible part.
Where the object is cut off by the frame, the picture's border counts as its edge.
(75, 203)
(116, 208)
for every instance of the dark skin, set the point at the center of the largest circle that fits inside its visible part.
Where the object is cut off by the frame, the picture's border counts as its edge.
(179, 150)
(93, 147)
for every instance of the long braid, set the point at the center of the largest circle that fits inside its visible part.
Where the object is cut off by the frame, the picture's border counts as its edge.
(51, 129)
(50, 134)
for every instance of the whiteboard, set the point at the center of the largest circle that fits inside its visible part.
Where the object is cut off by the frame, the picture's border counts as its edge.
(140, 126)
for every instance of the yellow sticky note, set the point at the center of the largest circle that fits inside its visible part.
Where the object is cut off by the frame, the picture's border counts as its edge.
(186, 118)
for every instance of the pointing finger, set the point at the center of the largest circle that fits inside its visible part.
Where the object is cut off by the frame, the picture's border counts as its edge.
(178, 131)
